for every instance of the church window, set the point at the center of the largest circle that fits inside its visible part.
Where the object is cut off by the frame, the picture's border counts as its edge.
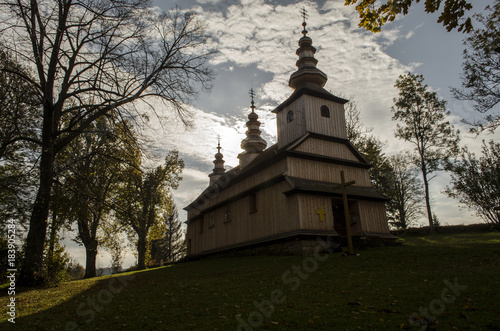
(211, 220)
(289, 116)
(227, 215)
(252, 203)
(325, 111)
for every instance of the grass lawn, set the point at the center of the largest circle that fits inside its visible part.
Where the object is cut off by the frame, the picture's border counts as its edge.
(452, 280)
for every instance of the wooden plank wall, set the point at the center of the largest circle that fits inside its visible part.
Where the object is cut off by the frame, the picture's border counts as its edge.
(326, 172)
(333, 126)
(326, 148)
(289, 131)
(307, 118)
(275, 214)
(309, 219)
(218, 196)
(373, 216)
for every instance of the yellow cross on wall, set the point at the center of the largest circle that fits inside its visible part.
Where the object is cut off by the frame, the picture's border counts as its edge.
(321, 212)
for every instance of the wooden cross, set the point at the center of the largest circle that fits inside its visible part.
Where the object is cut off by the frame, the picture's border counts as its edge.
(321, 212)
(344, 185)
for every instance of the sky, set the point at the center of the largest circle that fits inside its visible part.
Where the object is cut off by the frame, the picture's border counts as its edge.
(257, 40)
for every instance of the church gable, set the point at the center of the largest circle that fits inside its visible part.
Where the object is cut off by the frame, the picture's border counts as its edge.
(332, 149)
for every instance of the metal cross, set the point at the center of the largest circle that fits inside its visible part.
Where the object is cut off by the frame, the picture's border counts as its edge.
(252, 95)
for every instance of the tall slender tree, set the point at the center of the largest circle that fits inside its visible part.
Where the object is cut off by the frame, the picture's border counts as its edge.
(143, 195)
(92, 57)
(422, 122)
(172, 245)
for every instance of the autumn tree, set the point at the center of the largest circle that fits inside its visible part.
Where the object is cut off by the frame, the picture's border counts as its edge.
(94, 162)
(373, 15)
(143, 195)
(406, 192)
(92, 57)
(475, 182)
(356, 131)
(422, 122)
(370, 146)
(481, 70)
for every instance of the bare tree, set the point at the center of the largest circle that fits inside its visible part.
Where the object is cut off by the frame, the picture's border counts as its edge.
(91, 57)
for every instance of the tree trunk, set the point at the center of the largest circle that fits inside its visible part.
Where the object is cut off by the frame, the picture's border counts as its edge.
(141, 252)
(427, 198)
(32, 273)
(91, 256)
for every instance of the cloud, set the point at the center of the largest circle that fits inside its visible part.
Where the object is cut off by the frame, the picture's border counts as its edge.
(412, 32)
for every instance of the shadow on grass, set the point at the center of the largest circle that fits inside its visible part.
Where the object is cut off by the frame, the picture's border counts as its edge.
(380, 289)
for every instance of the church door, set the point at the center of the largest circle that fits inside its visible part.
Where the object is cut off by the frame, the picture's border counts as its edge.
(338, 217)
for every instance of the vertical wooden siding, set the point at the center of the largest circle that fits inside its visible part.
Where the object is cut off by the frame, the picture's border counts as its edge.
(326, 148)
(326, 172)
(275, 214)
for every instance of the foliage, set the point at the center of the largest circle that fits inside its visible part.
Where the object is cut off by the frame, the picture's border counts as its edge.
(406, 193)
(171, 246)
(91, 58)
(475, 182)
(481, 70)
(92, 167)
(373, 15)
(19, 117)
(423, 118)
(57, 264)
(356, 131)
(368, 145)
(142, 195)
(75, 269)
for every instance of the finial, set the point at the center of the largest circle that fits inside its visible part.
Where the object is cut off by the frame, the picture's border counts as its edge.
(218, 143)
(252, 95)
(304, 14)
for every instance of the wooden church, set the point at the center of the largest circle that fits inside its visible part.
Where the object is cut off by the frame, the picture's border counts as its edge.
(283, 198)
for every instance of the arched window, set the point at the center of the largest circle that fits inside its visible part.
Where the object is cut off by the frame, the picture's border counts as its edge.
(325, 112)
(289, 116)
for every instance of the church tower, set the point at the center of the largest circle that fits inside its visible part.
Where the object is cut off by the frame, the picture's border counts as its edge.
(313, 183)
(218, 165)
(253, 144)
(310, 108)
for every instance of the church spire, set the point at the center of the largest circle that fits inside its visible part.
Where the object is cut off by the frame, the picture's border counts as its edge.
(307, 73)
(253, 144)
(219, 164)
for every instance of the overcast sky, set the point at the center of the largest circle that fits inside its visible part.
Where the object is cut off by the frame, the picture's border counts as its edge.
(257, 40)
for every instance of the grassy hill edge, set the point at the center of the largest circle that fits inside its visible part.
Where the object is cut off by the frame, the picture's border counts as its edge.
(446, 280)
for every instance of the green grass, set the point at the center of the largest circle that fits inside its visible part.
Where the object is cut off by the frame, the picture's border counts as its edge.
(378, 290)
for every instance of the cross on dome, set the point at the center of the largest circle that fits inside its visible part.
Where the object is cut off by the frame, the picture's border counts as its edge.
(305, 15)
(252, 96)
